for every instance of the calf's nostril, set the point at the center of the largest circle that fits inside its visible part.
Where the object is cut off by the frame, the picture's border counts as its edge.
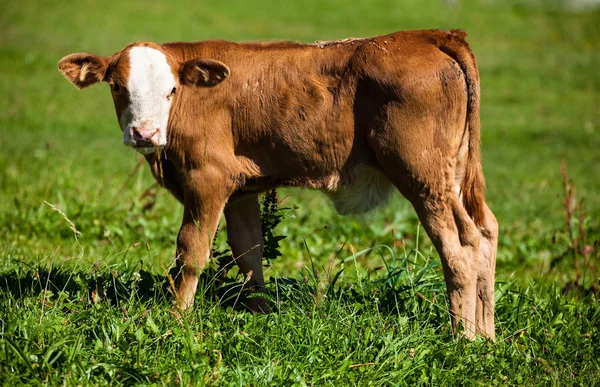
(136, 133)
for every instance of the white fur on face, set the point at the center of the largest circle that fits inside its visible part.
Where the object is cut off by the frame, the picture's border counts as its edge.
(150, 83)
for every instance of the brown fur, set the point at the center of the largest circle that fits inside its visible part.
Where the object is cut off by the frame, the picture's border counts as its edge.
(342, 116)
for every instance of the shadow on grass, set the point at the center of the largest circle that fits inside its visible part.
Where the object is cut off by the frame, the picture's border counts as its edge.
(114, 287)
(106, 285)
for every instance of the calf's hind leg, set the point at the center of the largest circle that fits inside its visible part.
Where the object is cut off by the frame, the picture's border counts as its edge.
(457, 241)
(486, 268)
(427, 178)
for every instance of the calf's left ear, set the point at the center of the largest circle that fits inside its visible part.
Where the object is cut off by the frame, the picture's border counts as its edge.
(83, 69)
(203, 72)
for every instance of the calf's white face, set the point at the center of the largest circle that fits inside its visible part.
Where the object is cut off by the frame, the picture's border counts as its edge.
(150, 88)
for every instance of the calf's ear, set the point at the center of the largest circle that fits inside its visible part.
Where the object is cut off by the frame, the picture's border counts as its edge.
(203, 72)
(83, 69)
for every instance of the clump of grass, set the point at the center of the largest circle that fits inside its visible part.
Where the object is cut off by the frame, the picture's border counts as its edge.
(578, 251)
(271, 216)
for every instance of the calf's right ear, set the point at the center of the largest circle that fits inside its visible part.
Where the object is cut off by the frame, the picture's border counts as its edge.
(83, 69)
(203, 72)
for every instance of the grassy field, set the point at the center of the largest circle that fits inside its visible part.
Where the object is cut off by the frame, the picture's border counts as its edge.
(84, 245)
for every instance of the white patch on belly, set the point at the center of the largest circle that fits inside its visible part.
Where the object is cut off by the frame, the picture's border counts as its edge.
(368, 189)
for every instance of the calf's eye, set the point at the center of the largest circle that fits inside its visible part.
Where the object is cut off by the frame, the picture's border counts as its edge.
(115, 87)
(172, 93)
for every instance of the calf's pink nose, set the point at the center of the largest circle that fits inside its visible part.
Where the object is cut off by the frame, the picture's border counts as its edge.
(145, 136)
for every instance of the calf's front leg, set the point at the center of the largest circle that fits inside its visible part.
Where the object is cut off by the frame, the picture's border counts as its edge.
(242, 215)
(202, 210)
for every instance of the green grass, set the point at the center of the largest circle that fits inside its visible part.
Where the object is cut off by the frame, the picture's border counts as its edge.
(393, 331)
(93, 310)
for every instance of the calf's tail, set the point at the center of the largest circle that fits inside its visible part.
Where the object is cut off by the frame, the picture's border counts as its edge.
(472, 186)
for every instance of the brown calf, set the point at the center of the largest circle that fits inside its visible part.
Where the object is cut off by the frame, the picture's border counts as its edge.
(220, 122)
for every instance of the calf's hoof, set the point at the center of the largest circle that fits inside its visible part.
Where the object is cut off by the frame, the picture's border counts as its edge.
(258, 304)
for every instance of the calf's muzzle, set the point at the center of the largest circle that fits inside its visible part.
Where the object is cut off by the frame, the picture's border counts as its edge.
(144, 136)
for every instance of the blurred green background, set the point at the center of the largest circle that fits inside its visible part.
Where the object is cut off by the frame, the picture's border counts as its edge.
(540, 78)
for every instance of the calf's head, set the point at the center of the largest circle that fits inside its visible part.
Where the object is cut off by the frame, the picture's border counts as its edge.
(145, 80)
